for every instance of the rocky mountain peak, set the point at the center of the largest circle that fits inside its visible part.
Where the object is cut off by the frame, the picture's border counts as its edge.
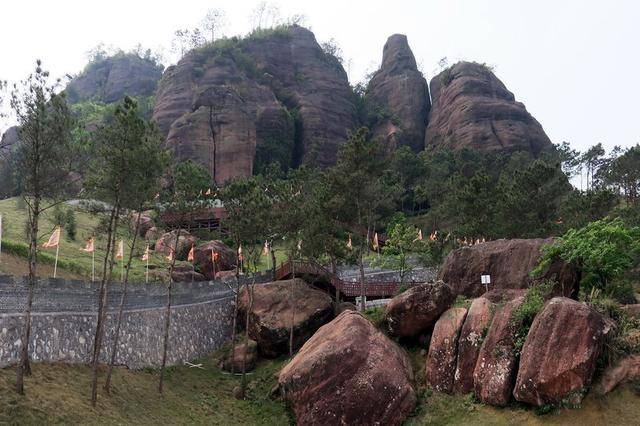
(397, 55)
(398, 96)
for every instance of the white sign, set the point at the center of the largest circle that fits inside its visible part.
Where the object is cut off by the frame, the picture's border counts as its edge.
(485, 279)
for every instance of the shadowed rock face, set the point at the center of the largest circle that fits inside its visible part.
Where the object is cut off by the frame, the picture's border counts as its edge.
(277, 92)
(349, 373)
(110, 79)
(399, 93)
(472, 108)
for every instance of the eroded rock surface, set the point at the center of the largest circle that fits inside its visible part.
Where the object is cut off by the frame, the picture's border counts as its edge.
(473, 332)
(443, 350)
(509, 262)
(349, 373)
(167, 241)
(472, 108)
(276, 305)
(559, 356)
(203, 258)
(497, 365)
(416, 310)
(399, 95)
(271, 97)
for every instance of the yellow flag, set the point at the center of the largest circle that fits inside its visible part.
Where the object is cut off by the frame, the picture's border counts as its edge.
(240, 257)
(54, 239)
(375, 241)
(170, 255)
(419, 237)
(191, 254)
(145, 256)
(90, 247)
(120, 252)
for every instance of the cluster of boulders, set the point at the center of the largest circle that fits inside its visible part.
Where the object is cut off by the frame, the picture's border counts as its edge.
(349, 372)
(164, 243)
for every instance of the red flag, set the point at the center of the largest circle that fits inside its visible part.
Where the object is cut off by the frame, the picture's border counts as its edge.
(190, 256)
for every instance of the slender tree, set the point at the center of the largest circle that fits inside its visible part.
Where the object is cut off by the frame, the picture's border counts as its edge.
(111, 177)
(190, 182)
(150, 159)
(45, 125)
(213, 23)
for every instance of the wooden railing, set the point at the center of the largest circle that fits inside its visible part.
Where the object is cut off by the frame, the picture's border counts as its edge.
(380, 288)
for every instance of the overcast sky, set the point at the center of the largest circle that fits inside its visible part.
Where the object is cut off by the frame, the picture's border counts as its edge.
(574, 64)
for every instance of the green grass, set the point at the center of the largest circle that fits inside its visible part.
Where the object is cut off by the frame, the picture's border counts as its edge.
(59, 394)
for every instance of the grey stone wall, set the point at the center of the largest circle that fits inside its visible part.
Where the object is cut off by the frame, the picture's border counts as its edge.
(65, 312)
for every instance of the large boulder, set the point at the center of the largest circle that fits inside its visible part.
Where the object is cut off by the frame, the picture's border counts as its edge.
(275, 305)
(349, 373)
(229, 106)
(242, 353)
(146, 222)
(559, 356)
(475, 328)
(509, 263)
(203, 258)
(185, 274)
(497, 365)
(167, 241)
(416, 310)
(626, 370)
(472, 108)
(443, 350)
(398, 95)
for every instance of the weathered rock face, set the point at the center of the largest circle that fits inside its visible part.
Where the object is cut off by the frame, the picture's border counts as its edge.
(203, 259)
(509, 262)
(475, 328)
(399, 94)
(628, 369)
(146, 222)
(242, 353)
(473, 109)
(349, 373)
(496, 368)
(415, 311)
(185, 274)
(220, 105)
(632, 310)
(443, 350)
(276, 305)
(559, 356)
(110, 79)
(167, 241)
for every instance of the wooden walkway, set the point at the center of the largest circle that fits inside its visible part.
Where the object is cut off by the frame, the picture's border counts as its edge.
(347, 288)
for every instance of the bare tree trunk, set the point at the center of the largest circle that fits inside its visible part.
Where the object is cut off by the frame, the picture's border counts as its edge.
(243, 383)
(273, 263)
(235, 314)
(362, 284)
(102, 304)
(116, 337)
(334, 272)
(24, 367)
(293, 307)
(167, 317)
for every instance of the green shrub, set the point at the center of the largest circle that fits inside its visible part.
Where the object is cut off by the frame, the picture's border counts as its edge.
(375, 315)
(524, 315)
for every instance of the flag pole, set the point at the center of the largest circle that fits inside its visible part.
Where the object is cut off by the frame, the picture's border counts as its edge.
(0, 235)
(93, 265)
(147, 271)
(55, 266)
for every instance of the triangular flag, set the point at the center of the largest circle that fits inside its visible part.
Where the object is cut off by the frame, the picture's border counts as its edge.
(432, 237)
(419, 237)
(265, 249)
(90, 247)
(299, 245)
(349, 243)
(145, 256)
(214, 256)
(120, 253)
(54, 239)
(170, 255)
(240, 257)
(375, 241)
(191, 254)
(208, 192)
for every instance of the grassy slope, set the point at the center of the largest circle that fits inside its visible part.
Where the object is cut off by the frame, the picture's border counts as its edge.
(73, 262)
(59, 394)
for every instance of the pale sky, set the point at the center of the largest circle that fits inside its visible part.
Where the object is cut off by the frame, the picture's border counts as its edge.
(575, 64)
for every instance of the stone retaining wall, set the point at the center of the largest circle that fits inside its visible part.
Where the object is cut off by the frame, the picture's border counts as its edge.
(64, 320)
